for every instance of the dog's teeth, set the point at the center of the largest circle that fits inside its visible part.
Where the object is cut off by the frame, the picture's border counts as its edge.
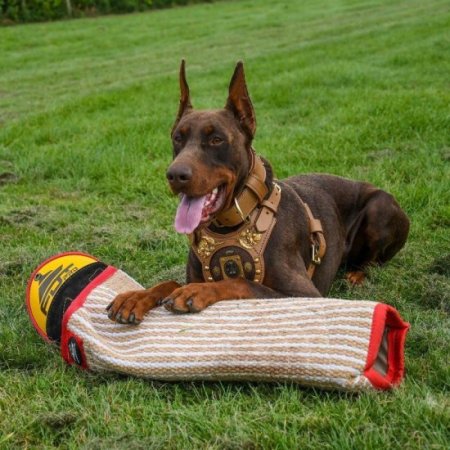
(215, 190)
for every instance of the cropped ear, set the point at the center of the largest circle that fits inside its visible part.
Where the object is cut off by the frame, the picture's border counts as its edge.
(239, 102)
(185, 100)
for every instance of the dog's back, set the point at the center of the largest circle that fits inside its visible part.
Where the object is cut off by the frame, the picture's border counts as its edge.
(368, 220)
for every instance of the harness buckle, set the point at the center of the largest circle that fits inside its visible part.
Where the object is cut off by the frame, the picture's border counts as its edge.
(315, 258)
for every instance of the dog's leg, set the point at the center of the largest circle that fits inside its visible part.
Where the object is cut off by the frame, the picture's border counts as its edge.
(130, 307)
(195, 297)
(355, 277)
(379, 232)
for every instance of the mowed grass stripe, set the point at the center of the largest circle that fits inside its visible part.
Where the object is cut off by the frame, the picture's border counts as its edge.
(106, 57)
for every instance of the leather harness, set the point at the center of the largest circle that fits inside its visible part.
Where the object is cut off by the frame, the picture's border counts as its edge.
(240, 253)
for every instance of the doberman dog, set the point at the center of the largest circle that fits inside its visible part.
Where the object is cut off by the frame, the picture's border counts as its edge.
(213, 163)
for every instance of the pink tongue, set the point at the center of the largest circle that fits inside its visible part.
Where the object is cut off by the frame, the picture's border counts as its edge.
(189, 214)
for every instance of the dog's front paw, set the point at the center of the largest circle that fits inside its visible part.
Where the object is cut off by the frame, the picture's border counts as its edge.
(191, 298)
(130, 307)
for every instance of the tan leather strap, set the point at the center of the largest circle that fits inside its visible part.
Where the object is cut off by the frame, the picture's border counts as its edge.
(269, 208)
(245, 202)
(318, 244)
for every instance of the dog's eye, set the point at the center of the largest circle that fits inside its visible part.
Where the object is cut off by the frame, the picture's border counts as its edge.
(216, 140)
(178, 139)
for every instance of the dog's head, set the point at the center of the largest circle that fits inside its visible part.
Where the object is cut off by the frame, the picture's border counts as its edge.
(212, 153)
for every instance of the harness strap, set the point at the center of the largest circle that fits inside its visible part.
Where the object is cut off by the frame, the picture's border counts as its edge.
(269, 207)
(253, 193)
(318, 243)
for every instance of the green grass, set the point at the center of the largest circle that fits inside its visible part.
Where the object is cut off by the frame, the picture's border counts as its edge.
(358, 88)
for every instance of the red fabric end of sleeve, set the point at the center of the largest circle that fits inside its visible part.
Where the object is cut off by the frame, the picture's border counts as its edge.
(67, 355)
(386, 316)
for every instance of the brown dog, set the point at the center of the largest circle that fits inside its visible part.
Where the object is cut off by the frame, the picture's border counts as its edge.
(252, 237)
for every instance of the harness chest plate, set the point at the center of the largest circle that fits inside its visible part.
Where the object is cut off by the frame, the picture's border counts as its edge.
(234, 255)
(240, 253)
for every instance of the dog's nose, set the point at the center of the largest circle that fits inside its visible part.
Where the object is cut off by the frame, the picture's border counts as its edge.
(179, 175)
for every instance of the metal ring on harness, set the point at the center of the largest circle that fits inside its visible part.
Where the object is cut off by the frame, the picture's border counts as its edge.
(236, 203)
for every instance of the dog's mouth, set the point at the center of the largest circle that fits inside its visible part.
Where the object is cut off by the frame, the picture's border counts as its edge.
(192, 211)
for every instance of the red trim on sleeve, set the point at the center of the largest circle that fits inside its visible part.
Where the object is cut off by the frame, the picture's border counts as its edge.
(68, 354)
(75, 305)
(387, 317)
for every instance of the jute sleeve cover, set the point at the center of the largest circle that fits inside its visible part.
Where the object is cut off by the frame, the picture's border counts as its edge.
(329, 343)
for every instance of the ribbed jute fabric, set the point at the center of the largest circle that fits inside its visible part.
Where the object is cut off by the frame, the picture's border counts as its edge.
(317, 342)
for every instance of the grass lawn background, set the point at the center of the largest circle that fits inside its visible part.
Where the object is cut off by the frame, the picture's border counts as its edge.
(357, 88)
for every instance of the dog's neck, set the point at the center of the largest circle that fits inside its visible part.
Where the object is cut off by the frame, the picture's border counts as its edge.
(256, 187)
